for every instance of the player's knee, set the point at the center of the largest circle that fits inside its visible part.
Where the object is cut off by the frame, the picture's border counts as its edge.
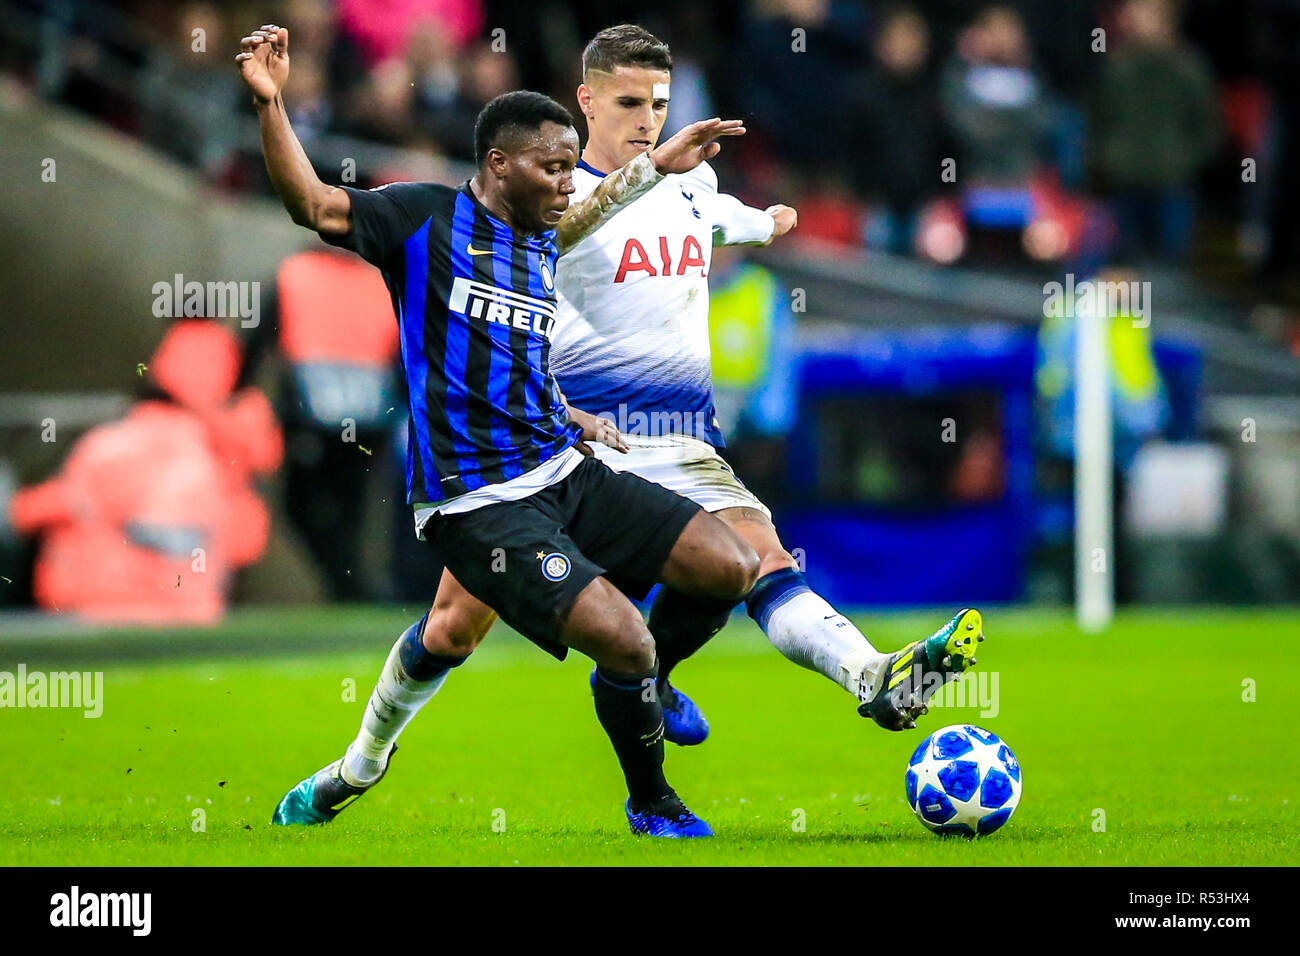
(778, 559)
(738, 570)
(628, 650)
(453, 631)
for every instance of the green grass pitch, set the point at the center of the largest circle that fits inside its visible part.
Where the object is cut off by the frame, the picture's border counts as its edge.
(1146, 725)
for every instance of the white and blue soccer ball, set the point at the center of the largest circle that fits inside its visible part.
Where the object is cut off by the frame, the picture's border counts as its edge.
(963, 780)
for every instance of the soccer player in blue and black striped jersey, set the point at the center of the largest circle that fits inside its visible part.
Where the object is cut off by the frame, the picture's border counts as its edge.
(547, 536)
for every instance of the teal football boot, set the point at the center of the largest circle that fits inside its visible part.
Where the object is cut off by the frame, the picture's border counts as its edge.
(915, 672)
(322, 796)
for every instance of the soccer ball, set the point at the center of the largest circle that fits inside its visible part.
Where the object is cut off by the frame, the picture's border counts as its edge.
(963, 780)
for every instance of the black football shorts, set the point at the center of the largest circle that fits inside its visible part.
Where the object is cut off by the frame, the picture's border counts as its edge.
(529, 559)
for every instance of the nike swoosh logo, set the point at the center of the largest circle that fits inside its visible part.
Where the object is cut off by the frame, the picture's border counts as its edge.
(477, 252)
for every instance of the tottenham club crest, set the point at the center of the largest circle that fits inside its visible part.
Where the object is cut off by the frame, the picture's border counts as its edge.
(690, 198)
(555, 566)
(547, 279)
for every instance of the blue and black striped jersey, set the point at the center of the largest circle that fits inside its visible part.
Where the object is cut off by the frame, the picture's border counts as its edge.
(475, 305)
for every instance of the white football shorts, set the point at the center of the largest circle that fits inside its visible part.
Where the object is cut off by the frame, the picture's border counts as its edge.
(686, 465)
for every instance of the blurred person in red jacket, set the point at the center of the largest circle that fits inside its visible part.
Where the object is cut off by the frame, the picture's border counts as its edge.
(150, 515)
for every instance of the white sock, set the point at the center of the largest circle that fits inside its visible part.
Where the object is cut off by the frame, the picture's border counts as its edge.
(814, 635)
(397, 698)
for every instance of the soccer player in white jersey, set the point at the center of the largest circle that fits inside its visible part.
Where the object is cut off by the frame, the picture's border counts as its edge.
(631, 339)
(632, 343)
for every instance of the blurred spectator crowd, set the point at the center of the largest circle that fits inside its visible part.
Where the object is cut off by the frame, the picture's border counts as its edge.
(1077, 131)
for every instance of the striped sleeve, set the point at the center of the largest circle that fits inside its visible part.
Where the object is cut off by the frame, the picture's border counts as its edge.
(383, 218)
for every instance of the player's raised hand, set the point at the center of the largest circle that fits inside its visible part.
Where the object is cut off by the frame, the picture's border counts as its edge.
(263, 60)
(694, 144)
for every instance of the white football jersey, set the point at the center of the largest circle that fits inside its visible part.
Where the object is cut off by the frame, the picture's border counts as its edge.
(631, 336)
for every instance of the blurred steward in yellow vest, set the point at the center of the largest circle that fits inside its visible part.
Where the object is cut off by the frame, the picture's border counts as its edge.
(751, 336)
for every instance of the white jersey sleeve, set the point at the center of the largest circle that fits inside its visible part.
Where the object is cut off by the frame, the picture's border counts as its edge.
(736, 224)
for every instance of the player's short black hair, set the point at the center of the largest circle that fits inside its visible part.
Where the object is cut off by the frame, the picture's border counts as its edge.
(626, 45)
(514, 112)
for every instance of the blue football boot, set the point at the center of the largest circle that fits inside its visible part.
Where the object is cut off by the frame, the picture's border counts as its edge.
(322, 796)
(684, 722)
(669, 818)
(915, 672)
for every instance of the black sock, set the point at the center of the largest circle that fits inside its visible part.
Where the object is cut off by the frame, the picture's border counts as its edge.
(635, 727)
(681, 624)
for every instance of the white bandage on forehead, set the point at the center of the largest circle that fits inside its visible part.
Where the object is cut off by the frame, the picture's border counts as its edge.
(659, 91)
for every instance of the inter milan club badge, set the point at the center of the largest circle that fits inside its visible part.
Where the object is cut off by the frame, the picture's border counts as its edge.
(555, 566)
(547, 280)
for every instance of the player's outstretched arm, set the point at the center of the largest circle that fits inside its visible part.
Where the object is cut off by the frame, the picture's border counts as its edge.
(735, 224)
(681, 153)
(692, 145)
(264, 66)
